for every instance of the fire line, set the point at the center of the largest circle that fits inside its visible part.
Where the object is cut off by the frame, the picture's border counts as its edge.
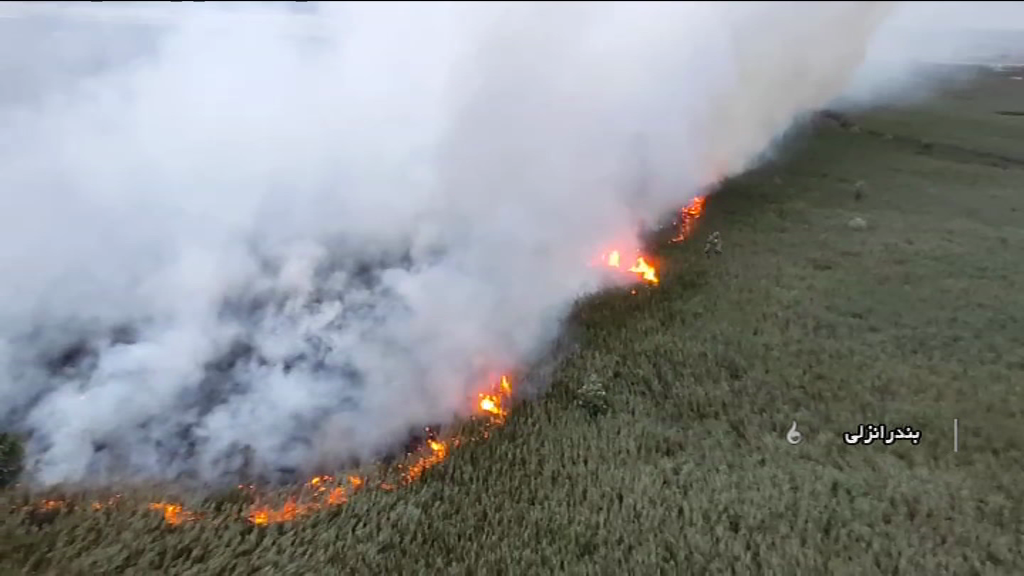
(326, 492)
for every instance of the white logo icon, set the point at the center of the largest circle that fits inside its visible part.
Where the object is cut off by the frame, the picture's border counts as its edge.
(794, 437)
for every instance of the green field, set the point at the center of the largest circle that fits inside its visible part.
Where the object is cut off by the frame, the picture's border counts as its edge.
(916, 320)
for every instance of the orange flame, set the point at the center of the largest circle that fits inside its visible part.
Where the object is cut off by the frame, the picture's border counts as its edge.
(438, 452)
(645, 270)
(174, 514)
(324, 495)
(640, 267)
(491, 404)
(689, 216)
(265, 515)
(51, 505)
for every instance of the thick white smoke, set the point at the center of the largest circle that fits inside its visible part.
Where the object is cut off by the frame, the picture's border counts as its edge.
(924, 47)
(312, 246)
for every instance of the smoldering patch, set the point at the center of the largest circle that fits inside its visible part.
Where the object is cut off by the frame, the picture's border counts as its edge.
(289, 342)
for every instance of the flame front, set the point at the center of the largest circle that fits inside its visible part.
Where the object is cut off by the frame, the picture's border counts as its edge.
(688, 218)
(645, 270)
(438, 452)
(174, 514)
(641, 267)
(325, 492)
(324, 495)
(492, 404)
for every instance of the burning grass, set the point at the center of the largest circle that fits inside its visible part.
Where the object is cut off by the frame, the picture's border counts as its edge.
(318, 493)
(326, 491)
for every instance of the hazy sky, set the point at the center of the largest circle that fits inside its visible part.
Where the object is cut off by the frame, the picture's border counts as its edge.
(942, 14)
(962, 14)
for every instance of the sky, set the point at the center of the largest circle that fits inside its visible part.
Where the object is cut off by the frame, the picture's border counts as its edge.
(995, 15)
(999, 15)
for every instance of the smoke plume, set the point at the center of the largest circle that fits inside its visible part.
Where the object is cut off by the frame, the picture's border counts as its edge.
(926, 47)
(310, 244)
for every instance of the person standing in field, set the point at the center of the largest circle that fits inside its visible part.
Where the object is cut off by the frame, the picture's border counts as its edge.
(713, 244)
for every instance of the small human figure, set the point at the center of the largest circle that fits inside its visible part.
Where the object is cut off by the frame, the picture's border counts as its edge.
(859, 188)
(713, 244)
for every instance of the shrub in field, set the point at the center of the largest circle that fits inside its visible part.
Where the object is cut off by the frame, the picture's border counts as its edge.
(592, 397)
(857, 224)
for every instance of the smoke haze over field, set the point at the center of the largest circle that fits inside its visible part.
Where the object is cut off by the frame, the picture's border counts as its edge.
(213, 239)
(900, 69)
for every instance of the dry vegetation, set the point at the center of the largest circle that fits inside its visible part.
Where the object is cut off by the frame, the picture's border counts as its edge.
(676, 461)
